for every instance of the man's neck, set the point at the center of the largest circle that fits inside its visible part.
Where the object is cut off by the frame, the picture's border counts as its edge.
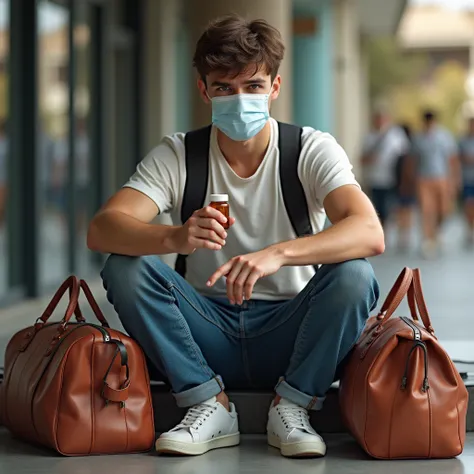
(245, 157)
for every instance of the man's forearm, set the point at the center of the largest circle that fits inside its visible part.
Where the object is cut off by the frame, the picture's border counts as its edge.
(116, 232)
(351, 238)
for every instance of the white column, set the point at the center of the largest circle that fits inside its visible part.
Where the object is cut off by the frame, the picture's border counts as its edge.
(364, 83)
(277, 12)
(348, 98)
(160, 19)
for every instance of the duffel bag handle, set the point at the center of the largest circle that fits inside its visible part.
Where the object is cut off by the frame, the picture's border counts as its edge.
(72, 284)
(93, 304)
(73, 306)
(395, 296)
(416, 300)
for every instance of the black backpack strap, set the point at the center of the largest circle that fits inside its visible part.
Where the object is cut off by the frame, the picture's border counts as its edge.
(196, 144)
(289, 143)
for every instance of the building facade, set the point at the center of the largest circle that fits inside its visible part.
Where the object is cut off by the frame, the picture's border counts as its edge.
(87, 87)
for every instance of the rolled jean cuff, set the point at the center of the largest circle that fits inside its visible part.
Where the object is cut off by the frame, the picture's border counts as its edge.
(200, 394)
(285, 390)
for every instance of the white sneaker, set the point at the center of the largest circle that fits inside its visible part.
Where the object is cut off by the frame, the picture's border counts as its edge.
(289, 430)
(206, 426)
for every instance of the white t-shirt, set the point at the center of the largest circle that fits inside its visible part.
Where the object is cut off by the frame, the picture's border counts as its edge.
(433, 150)
(256, 203)
(391, 145)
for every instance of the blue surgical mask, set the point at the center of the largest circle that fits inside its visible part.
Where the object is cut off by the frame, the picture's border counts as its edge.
(240, 116)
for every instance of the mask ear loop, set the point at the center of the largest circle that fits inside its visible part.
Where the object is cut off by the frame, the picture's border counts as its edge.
(272, 89)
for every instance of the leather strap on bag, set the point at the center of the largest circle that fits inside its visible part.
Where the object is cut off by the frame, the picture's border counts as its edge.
(77, 312)
(121, 394)
(416, 300)
(72, 284)
(73, 307)
(93, 304)
(395, 296)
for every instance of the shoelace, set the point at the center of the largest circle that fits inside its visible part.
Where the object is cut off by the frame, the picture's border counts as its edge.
(294, 418)
(195, 416)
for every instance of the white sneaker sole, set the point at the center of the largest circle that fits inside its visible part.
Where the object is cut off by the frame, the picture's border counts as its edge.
(170, 446)
(315, 448)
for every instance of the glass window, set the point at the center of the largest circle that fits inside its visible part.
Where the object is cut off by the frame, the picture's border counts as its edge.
(84, 185)
(4, 47)
(53, 143)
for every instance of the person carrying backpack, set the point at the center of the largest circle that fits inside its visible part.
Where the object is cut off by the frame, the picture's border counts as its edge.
(382, 149)
(273, 301)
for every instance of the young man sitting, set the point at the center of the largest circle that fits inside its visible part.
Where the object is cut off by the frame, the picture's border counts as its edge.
(263, 306)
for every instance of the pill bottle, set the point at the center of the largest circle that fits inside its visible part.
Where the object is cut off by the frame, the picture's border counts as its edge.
(220, 202)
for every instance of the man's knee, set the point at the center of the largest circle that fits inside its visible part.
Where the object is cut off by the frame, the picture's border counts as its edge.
(119, 267)
(123, 276)
(354, 282)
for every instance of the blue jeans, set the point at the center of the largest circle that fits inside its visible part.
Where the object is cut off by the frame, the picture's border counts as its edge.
(203, 345)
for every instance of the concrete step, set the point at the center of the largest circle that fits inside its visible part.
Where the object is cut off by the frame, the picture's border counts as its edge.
(253, 408)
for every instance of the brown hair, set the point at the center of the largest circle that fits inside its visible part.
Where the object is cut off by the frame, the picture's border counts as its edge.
(231, 44)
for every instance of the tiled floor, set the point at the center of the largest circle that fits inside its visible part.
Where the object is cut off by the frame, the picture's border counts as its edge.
(252, 456)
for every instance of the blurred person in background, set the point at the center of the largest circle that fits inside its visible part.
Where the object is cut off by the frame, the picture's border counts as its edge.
(406, 192)
(82, 146)
(466, 154)
(58, 177)
(437, 166)
(382, 147)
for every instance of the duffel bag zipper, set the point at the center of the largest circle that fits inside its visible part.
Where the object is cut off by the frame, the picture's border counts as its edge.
(418, 343)
(101, 329)
(416, 330)
(104, 332)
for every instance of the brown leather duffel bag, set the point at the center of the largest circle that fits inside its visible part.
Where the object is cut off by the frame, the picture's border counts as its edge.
(401, 395)
(79, 388)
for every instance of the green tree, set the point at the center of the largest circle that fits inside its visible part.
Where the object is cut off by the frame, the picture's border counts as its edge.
(408, 84)
(444, 91)
(389, 67)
